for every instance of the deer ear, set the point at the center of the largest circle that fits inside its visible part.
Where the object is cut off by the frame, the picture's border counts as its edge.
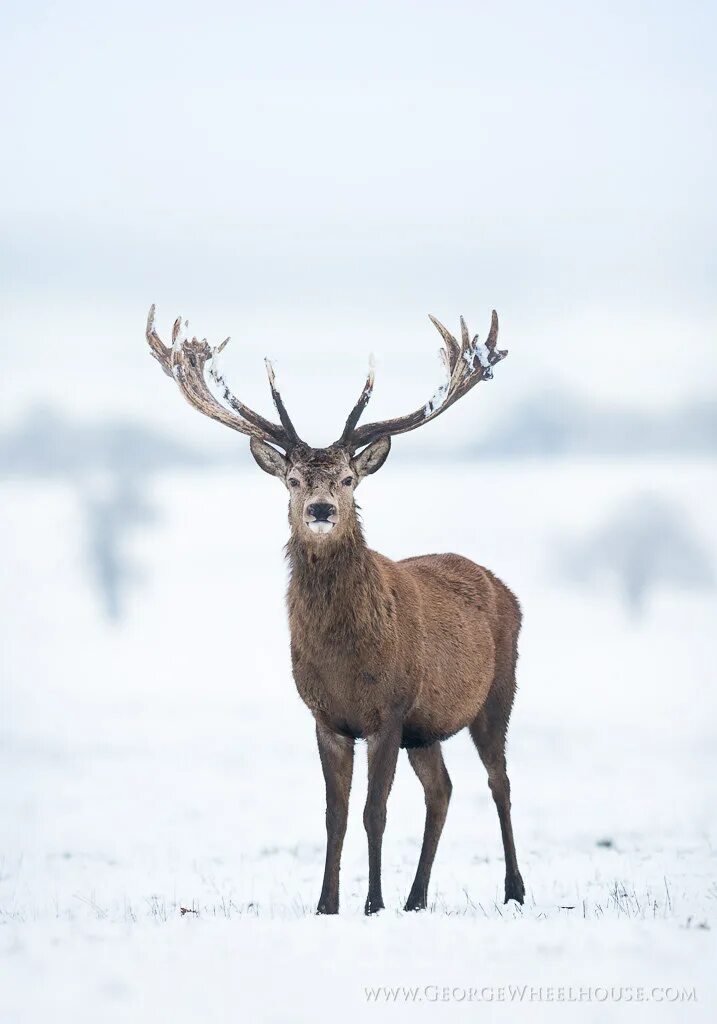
(372, 457)
(268, 458)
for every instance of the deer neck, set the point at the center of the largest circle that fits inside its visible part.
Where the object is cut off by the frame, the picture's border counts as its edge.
(338, 593)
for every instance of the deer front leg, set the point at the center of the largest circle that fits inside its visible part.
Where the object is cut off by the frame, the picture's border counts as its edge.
(337, 760)
(383, 749)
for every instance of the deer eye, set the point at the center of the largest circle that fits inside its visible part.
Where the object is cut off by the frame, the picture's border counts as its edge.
(347, 481)
(293, 482)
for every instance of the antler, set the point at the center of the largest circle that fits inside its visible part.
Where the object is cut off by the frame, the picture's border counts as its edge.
(465, 364)
(185, 361)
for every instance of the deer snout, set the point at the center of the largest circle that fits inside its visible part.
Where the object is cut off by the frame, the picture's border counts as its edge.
(321, 511)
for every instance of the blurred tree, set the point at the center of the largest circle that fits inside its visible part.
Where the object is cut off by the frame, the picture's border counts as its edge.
(644, 544)
(113, 510)
(110, 464)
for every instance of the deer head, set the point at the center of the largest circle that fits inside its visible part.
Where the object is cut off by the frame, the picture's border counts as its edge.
(320, 481)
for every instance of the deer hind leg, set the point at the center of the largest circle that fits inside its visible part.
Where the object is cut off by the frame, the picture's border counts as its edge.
(337, 760)
(383, 749)
(488, 732)
(429, 766)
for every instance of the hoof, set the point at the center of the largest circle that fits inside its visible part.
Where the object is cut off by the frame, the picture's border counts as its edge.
(416, 903)
(514, 889)
(325, 907)
(373, 906)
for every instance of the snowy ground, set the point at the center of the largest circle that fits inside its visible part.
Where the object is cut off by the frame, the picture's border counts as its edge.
(167, 762)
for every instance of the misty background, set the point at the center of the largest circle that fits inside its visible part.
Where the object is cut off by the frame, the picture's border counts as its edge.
(313, 180)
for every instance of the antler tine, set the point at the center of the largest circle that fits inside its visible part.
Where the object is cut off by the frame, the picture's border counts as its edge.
(185, 361)
(493, 332)
(465, 336)
(355, 415)
(279, 403)
(453, 349)
(160, 351)
(466, 364)
(179, 331)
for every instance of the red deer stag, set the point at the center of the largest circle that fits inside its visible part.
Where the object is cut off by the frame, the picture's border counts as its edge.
(402, 654)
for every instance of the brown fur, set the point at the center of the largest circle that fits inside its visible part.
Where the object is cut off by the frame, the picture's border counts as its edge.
(415, 650)
(431, 634)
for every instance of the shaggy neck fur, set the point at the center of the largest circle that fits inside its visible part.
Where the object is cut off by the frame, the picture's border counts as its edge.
(336, 591)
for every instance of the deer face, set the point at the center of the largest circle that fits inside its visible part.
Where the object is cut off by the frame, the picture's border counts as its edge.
(321, 484)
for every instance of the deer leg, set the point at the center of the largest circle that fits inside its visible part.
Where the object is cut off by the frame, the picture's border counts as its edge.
(428, 764)
(488, 733)
(337, 760)
(383, 749)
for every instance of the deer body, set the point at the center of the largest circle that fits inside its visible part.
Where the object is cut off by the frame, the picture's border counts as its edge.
(401, 654)
(425, 634)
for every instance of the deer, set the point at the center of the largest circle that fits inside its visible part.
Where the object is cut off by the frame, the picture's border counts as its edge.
(401, 654)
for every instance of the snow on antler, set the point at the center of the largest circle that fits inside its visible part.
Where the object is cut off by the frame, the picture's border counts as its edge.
(466, 363)
(186, 360)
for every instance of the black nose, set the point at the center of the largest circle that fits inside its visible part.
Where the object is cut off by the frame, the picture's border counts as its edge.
(321, 510)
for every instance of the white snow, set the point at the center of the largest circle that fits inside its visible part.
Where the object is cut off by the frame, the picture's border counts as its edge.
(181, 336)
(215, 368)
(146, 767)
(437, 400)
(441, 392)
(480, 351)
(371, 372)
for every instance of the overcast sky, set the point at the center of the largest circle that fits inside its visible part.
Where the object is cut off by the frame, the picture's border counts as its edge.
(314, 178)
